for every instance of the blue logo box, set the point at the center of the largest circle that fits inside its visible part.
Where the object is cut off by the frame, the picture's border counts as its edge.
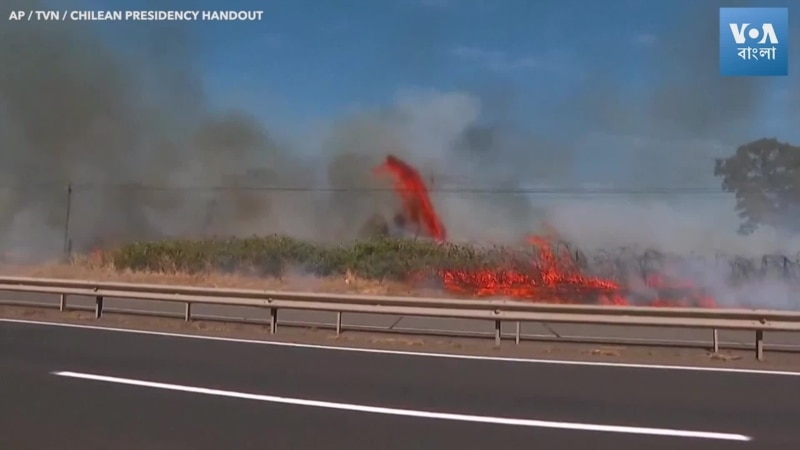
(754, 42)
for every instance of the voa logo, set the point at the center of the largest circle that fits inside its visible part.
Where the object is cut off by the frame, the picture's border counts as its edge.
(767, 32)
(753, 42)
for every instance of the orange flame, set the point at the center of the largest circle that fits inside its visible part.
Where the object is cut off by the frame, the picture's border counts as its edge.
(550, 278)
(553, 279)
(556, 278)
(412, 190)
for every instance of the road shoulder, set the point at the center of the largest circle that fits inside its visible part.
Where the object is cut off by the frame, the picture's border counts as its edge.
(472, 347)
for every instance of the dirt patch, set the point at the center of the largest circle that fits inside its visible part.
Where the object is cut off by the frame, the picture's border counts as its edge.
(607, 351)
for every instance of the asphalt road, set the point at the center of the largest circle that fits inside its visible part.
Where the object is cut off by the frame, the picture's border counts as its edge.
(72, 388)
(644, 335)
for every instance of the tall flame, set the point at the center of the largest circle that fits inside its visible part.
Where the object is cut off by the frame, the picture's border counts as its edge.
(417, 205)
(552, 277)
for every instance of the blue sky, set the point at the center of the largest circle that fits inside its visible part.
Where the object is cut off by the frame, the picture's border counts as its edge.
(317, 59)
(309, 61)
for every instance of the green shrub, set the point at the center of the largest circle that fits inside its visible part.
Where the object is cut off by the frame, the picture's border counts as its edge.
(382, 258)
(377, 258)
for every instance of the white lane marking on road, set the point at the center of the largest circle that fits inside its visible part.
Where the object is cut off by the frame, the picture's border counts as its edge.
(410, 412)
(406, 353)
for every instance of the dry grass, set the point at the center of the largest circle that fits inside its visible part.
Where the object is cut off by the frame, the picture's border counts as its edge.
(88, 268)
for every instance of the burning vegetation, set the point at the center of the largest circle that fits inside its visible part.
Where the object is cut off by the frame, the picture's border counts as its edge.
(550, 274)
(417, 210)
(542, 268)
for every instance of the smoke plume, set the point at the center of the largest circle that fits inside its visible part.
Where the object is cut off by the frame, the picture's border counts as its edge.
(133, 135)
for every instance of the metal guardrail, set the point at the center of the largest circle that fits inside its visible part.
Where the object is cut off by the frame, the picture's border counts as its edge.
(498, 311)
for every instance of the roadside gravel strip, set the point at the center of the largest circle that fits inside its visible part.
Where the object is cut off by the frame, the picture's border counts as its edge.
(785, 363)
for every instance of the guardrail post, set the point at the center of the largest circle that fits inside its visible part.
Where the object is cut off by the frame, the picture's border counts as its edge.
(188, 313)
(273, 320)
(516, 336)
(715, 338)
(760, 345)
(98, 306)
(62, 304)
(497, 326)
(338, 323)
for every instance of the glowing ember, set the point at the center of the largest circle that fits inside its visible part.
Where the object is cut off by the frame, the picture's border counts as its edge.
(417, 205)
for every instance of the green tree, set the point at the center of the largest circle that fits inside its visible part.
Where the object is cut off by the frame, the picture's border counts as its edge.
(764, 175)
